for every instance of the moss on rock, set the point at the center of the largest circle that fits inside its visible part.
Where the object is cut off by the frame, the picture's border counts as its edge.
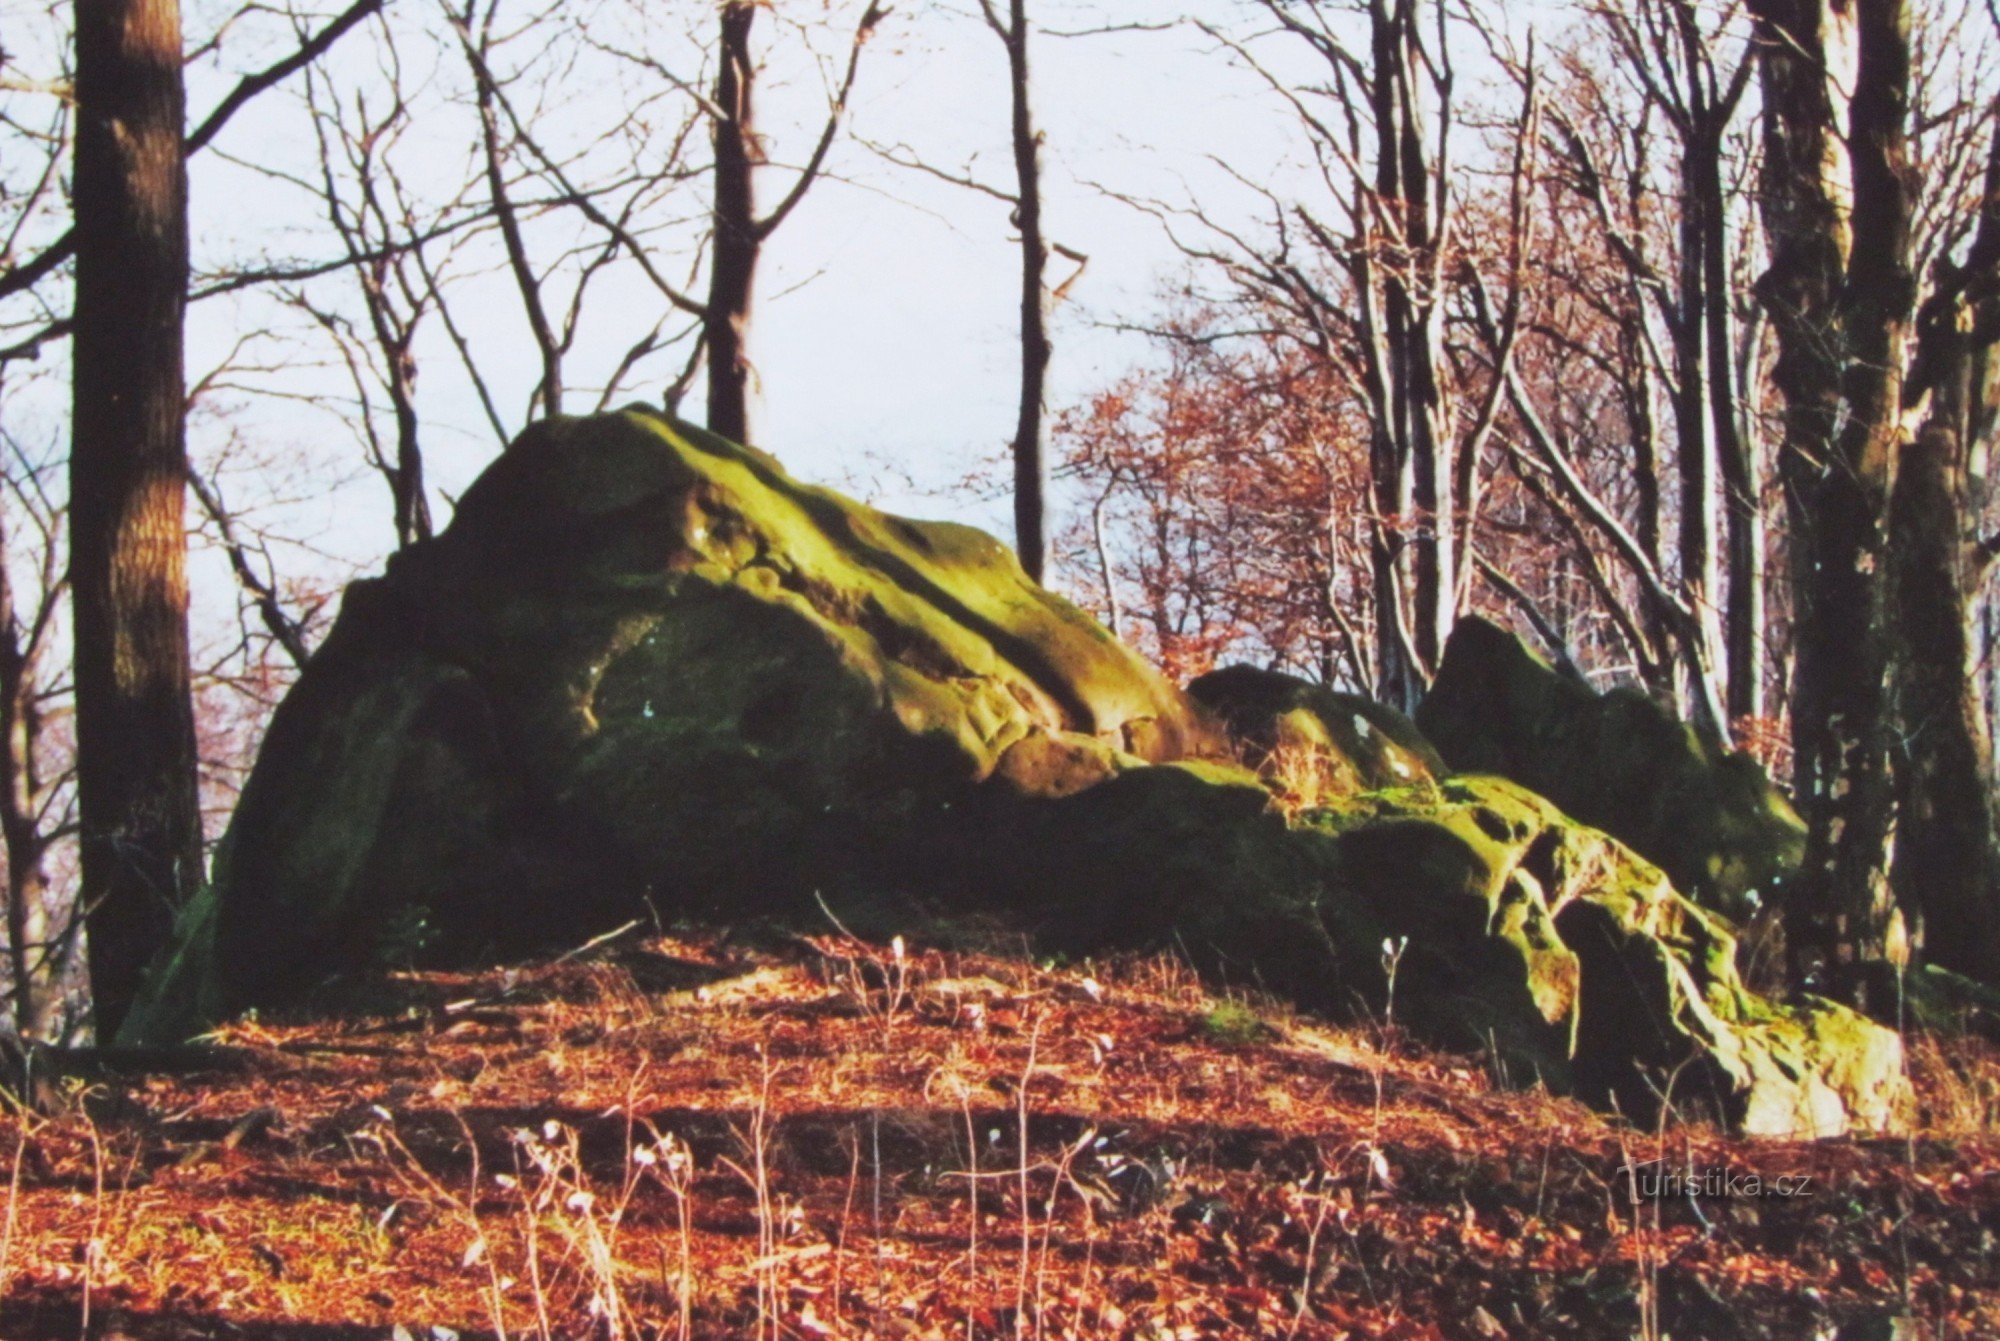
(645, 671)
(1546, 943)
(1312, 744)
(645, 667)
(1708, 817)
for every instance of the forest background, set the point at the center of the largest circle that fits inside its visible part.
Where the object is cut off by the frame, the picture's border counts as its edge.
(1659, 330)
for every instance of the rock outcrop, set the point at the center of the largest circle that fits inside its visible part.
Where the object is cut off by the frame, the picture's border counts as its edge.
(1709, 818)
(1512, 930)
(646, 673)
(645, 669)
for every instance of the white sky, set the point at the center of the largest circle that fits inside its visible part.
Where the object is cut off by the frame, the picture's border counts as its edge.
(886, 337)
(886, 329)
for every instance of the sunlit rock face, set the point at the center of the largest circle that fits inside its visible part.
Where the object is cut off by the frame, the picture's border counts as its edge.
(1708, 817)
(645, 674)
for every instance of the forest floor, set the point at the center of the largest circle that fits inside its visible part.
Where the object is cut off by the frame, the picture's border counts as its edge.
(827, 1138)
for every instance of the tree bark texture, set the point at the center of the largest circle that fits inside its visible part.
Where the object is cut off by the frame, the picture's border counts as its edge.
(1947, 863)
(136, 764)
(1030, 469)
(1837, 208)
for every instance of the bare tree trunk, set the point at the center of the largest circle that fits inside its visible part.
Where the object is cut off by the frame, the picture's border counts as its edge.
(1694, 374)
(1030, 471)
(737, 240)
(1732, 617)
(1947, 862)
(30, 965)
(136, 769)
(739, 234)
(1643, 427)
(1837, 207)
(1947, 859)
(1743, 479)
(1406, 183)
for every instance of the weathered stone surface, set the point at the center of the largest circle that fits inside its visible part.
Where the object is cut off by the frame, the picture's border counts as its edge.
(1546, 943)
(1311, 744)
(1638, 983)
(644, 665)
(645, 671)
(1710, 818)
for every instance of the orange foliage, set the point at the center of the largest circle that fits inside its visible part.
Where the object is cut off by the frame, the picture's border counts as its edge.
(1224, 507)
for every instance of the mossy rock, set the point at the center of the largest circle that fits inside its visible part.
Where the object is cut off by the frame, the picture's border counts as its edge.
(645, 671)
(1637, 985)
(1709, 817)
(1543, 942)
(1311, 744)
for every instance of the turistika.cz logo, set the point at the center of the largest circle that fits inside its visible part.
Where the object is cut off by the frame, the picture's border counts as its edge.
(1658, 1181)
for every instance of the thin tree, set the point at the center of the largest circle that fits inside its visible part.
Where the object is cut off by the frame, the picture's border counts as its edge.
(739, 231)
(1679, 70)
(1030, 470)
(34, 796)
(1376, 297)
(136, 763)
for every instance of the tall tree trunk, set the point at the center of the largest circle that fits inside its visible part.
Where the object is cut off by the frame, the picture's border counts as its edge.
(136, 770)
(1030, 473)
(1947, 863)
(1695, 455)
(1743, 479)
(738, 239)
(1643, 427)
(1837, 206)
(1398, 682)
(1417, 411)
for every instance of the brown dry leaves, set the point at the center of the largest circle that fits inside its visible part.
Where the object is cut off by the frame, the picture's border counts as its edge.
(825, 1138)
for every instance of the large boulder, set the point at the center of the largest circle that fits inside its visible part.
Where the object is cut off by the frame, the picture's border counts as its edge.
(645, 673)
(645, 668)
(1709, 817)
